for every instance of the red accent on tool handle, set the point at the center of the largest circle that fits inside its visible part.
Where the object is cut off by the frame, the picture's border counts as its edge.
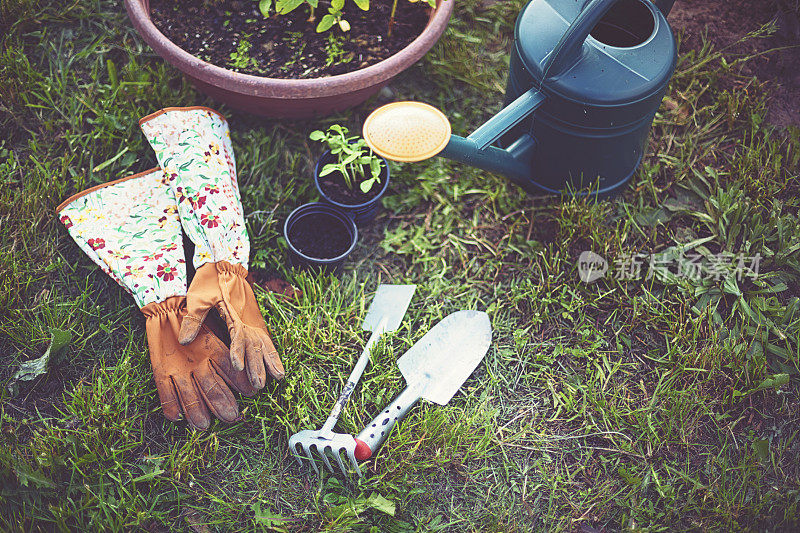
(363, 451)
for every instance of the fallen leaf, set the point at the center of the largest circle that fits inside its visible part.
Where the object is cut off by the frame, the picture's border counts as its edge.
(34, 368)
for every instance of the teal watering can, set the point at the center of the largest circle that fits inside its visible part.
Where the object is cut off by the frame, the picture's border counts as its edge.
(586, 79)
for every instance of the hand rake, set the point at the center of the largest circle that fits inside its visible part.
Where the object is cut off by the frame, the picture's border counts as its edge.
(385, 315)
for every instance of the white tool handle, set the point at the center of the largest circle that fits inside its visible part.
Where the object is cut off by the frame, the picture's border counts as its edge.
(372, 436)
(355, 375)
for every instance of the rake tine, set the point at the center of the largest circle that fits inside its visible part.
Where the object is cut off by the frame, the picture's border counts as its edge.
(337, 453)
(352, 456)
(324, 455)
(293, 446)
(310, 457)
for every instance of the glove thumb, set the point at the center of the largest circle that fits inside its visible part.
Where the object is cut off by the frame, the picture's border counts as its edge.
(203, 294)
(190, 326)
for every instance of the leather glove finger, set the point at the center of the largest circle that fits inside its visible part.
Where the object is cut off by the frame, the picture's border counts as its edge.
(255, 358)
(237, 334)
(238, 381)
(216, 394)
(221, 363)
(170, 403)
(267, 351)
(253, 345)
(192, 403)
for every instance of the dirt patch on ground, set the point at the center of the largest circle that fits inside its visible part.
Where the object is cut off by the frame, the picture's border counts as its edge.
(725, 22)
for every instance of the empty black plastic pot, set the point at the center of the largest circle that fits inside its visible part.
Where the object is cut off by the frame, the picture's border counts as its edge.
(362, 213)
(320, 236)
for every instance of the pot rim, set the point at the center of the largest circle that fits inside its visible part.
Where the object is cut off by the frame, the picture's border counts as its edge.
(332, 211)
(260, 86)
(328, 199)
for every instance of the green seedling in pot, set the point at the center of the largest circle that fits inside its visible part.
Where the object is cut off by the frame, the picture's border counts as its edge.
(264, 6)
(334, 16)
(354, 159)
(241, 58)
(282, 7)
(331, 19)
(336, 51)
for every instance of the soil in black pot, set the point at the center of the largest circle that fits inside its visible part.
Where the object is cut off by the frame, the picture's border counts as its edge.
(233, 34)
(337, 190)
(320, 236)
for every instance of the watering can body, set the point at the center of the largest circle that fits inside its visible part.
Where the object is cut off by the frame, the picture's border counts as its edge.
(592, 126)
(586, 79)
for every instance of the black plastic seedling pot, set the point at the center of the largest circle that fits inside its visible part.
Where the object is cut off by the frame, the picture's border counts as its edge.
(319, 236)
(363, 212)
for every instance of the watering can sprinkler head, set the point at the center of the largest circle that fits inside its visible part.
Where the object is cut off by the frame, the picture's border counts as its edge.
(407, 131)
(585, 81)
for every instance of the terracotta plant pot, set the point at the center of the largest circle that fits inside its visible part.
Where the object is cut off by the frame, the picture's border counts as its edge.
(361, 213)
(278, 98)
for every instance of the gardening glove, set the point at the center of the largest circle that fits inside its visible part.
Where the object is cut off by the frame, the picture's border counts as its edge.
(130, 228)
(193, 147)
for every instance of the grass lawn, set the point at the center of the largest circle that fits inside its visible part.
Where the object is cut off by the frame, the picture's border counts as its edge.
(659, 403)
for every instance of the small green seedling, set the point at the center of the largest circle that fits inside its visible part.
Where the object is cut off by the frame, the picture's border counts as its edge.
(241, 59)
(264, 6)
(282, 7)
(355, 159)
(334, 16)
(328, 21)
(335, 50)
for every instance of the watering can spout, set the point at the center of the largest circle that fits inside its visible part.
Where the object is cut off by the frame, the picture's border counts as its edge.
(511, 115)
(513, 162)
(413, 131)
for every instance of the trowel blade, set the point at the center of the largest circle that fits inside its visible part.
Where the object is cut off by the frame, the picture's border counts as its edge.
(442, 360)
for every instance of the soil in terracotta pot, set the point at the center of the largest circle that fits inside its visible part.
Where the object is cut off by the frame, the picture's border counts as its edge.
(320, 236)
(233, 34)
(337, 190)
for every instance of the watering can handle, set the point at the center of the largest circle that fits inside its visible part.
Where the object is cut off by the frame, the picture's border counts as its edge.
(567, 50)
(564, 55)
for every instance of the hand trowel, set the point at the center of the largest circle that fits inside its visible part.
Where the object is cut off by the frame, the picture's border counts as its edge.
(434, 368)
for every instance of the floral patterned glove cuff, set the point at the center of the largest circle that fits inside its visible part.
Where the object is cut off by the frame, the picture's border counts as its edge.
(130, 228)
(193, 146)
